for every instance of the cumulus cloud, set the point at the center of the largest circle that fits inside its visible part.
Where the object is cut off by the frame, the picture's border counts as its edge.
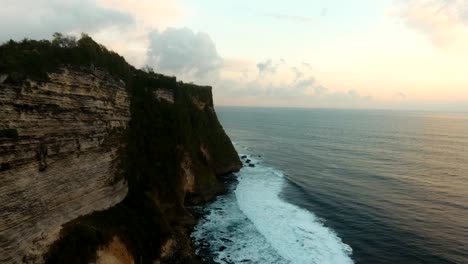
(41, 18)
(444, 22)
(182, 52)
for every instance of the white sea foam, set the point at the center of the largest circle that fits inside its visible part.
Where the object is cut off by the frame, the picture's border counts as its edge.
(296, 234)
(254, 225)
(231, 237)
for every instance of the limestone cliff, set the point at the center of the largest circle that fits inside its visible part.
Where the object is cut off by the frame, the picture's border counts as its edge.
(98, 161)
(62, 164)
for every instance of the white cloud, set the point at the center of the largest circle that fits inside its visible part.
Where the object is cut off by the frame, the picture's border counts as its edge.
(149, 15)
(268, 67)
(444, 22)
(40, 18)
(130, 42)
(279, 83)
(188, 55)
(138, 30)
(121, 25)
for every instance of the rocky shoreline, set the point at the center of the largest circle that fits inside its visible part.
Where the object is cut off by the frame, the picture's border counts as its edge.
(229, 183)
(183, 249)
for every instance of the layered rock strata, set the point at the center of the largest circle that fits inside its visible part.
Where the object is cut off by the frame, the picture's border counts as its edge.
(62, 160)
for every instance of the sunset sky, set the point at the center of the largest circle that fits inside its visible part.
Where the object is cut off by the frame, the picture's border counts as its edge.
(392, 54)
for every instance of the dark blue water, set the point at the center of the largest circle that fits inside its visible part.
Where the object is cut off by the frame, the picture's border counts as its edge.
(391, 185)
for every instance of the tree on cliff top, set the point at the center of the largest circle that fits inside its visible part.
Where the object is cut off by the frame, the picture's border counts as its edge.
(64, 41)
(34, 59)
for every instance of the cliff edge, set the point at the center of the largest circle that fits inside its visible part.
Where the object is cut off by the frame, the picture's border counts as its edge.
(98, 160)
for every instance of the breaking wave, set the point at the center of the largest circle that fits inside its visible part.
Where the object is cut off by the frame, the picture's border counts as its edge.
(252, 224)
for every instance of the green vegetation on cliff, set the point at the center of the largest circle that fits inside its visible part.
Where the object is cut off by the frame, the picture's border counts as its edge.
(160, 137)
(33, 59)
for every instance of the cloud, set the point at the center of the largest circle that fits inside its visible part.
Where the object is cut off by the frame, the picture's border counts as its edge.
(291, 18)
(297, 72)
(444, 22)
(279, 83)
(190, 56)
(139, 32)
(353, 94)
(401, 95)
(120, 25)
(269, 79)
(149, 13)
(324, 12)
(305, 64)
(41, 18)
(266, 67)
(350, 98)
(130, 42)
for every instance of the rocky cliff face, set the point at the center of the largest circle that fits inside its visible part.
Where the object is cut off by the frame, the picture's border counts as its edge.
(93, 168)
(63, 161)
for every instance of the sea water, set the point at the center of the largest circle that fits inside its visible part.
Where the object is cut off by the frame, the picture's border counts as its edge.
(342, 186)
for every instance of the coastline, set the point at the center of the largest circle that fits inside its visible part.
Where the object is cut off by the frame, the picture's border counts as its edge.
(252, 223)
(182, 248)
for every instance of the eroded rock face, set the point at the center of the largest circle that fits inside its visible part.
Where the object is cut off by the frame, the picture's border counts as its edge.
(164, 94)
(3, 77)
(188, 176)
(60, 148)
(115, 253)
(63, 162)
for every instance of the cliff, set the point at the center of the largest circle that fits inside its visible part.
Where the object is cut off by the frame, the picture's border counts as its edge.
(98, 159)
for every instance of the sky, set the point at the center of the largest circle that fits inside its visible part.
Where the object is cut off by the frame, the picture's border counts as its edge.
(378, 54)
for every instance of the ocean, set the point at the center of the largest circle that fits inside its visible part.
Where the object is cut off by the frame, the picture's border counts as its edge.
(342, 186)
